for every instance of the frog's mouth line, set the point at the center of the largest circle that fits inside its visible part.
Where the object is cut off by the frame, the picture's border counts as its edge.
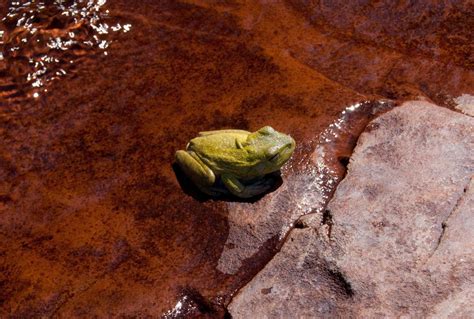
(282, 155)
(274, 157)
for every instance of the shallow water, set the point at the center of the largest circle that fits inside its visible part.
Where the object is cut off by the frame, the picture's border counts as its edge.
(45, 40)
(96, 96)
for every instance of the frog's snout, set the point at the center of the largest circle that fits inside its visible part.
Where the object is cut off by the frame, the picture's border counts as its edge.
(288, 149)
(290, 145)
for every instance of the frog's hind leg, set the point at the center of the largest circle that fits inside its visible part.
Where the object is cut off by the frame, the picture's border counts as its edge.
(201, 175)
(245, 191)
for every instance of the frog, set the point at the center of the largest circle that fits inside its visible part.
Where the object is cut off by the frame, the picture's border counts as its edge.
(234, 161)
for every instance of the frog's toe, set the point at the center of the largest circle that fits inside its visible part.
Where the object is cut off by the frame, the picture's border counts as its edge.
(257, 189)
(213, 191)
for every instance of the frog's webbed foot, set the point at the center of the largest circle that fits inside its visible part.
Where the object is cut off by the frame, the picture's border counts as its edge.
(201, 175)
(215, 191)
(241, 190)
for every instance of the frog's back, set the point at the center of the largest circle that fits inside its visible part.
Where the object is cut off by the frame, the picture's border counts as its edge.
(221, 152)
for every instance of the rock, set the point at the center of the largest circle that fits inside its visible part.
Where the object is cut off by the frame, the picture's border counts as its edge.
(397, 238)
(465, 104)
(89, 202)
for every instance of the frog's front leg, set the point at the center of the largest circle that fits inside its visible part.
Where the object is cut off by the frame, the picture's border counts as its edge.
(244, 191)
(201, 175)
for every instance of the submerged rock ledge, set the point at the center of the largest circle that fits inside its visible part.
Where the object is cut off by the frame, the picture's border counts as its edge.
(396, 239)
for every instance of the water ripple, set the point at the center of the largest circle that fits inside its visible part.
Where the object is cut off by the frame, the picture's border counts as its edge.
(41, 41)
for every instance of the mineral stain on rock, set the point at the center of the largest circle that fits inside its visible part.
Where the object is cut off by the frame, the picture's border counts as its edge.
(89, 203)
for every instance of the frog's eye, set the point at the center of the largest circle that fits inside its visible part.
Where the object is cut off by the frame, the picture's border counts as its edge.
(238, 144)
(267, 130)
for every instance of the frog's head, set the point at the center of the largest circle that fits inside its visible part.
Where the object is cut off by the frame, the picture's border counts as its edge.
(272, 148)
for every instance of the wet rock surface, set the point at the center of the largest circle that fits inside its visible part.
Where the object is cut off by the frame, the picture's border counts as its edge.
(90, 204)
(397, 237)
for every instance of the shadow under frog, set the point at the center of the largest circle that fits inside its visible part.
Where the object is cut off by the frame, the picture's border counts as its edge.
(233, 164)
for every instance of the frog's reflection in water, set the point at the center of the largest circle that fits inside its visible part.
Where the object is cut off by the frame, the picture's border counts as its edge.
(273, 179)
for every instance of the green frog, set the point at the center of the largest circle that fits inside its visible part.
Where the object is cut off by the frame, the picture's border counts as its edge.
(239, 159)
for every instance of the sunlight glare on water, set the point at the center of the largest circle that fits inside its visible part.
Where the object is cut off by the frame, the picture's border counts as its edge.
(183, 308)
(321, 178)
(42, 40)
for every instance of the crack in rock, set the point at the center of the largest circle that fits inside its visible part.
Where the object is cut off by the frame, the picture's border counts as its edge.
(444, 224)
(327, 220)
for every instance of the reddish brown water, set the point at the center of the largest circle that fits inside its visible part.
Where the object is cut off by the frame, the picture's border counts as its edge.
(96, 96)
